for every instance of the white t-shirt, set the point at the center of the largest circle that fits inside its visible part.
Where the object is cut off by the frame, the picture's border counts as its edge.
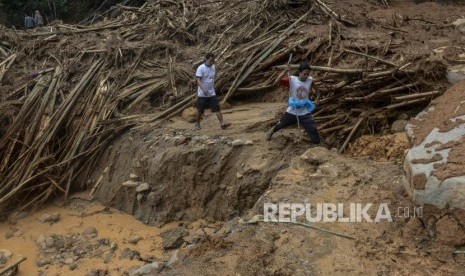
(299, 91)
(207, 77)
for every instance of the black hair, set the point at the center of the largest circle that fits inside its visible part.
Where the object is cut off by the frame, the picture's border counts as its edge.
(303, 67)
(209, 55)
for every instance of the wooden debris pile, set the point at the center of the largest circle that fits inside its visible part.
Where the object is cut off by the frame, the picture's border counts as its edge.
(66, 91)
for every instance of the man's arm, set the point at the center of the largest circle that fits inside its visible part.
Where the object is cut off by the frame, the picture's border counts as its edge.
(199, 83)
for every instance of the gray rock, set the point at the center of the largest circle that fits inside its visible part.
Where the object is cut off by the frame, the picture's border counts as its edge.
(173, 239)
(133, 177)
(131, 184)
(50, 242)
(237, 143)
(91, 231)
(108, 257)
(317, 156)
(73, 266)
(146, 269)
(172, 259)
(42, 263)
(398, 126)
(143, 187)
(134, 239)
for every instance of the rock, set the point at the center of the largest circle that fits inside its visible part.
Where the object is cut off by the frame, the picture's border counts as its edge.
(131, 184)
(133, 177)
(403, 116)
(143, 187)
(91, 231)
(239, 175)
(173, 239)
(192, 239)
(73, 266)
(146, 269)
(50, 241)
(129, 254)
(237, 143)
(45, 218)
(449, 232)
(317, 156)
(190, 114)
(5, 256)
(329, 170)
(42, 263)
(108, 257)
(172, 259)
(134, 239)
(113, 246)
(249, 142)
(69, 261)
(399, 126)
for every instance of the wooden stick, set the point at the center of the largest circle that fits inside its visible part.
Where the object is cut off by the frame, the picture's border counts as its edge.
(417, 95)
(326, 69)
(12, 265)
(352, 132)
(372, 57)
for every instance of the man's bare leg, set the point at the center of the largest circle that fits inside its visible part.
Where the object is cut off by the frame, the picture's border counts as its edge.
(220, 118)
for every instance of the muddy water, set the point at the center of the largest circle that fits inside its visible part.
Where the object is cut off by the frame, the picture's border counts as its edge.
(115, 226)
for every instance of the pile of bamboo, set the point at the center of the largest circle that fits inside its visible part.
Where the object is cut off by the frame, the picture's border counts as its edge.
(66, 91)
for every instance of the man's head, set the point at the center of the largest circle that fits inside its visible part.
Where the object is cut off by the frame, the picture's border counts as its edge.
(304, 71)
(209, 59)
(37, 12)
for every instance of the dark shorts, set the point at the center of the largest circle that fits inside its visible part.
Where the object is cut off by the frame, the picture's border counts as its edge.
(212, 102)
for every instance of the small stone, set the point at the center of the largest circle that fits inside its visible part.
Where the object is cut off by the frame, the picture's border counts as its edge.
(133, 177)
(239, 175)
(143, 187)
(69, 261)
(45, 218)
(113, 246)
(398, 126)
(108, 257)
(237, 143)
(91, 231)
(131, 184)
(42, 263)
(40, 239)
(73, 266)
(134, 239)
(50, 242)
(249, 142)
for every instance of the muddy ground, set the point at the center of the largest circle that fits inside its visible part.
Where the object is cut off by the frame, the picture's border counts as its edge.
(204, 185)
(202, 231)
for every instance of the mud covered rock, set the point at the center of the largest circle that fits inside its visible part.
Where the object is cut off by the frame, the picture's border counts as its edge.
(190, 114)
(173, 239)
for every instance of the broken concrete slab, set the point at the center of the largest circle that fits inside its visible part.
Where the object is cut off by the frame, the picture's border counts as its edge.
(434, 169)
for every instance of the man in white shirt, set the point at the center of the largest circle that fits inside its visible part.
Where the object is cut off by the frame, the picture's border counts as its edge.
(205, 77)
(300, 106)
